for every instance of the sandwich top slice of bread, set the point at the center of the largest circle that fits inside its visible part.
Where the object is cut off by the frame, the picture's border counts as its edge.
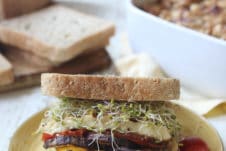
(109, 87)
(6, 71)
(57, 33)
(12, 8)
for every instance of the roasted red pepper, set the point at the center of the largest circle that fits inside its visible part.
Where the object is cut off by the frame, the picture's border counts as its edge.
(79, 132)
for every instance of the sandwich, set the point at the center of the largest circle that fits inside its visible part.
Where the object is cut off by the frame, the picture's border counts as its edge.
(110, 113)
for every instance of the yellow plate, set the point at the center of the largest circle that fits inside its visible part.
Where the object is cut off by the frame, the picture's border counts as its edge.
(193, 125)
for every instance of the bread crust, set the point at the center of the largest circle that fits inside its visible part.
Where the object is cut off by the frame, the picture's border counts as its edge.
(109, 87)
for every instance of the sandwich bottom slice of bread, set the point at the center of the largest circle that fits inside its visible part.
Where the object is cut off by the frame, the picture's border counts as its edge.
(109, 113)
(28, 67)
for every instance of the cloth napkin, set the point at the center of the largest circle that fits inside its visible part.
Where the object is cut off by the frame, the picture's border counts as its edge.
(143, 65)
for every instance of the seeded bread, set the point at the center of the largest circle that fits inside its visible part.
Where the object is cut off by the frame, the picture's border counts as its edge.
(6, 71)
(12, 8)
(109, 87)
(57, 33)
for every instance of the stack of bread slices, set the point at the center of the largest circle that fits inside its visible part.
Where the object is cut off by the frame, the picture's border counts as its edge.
(42, 36)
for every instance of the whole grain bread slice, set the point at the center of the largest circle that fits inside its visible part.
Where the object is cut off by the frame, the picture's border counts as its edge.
(56, 33)
(109, 87)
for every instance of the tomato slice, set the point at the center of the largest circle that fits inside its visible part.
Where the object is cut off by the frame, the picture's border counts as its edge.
(46, 136)
(193, 144)
(79, 132)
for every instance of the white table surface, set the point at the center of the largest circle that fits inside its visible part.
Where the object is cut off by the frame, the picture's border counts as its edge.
(16, 107)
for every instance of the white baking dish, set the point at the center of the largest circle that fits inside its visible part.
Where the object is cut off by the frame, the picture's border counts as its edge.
(198, 60)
